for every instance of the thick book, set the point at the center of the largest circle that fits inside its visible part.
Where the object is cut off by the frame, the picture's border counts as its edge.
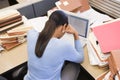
(8, 27)
(9, 46)
(108, 35)
(10, 18)
(10, 22)
(19, 30)
(8, 14)
(9, 42)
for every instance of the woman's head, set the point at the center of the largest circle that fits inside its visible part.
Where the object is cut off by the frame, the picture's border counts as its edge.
(59, 20)
(53, 28)
(59, 17)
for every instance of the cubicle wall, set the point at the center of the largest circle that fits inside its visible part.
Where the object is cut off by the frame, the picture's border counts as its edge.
(42, 7)
(37, 9)
(27, 11)
(34, 8)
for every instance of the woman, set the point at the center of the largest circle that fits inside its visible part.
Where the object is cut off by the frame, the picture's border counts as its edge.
(47, 52)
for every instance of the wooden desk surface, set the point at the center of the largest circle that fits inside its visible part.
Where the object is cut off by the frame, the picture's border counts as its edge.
(18, 55)
(95, 71)
(13, 58)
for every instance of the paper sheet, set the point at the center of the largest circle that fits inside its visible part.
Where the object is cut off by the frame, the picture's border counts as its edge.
(37, 23)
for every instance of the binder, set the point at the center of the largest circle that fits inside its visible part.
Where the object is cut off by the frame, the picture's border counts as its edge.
(108, 35)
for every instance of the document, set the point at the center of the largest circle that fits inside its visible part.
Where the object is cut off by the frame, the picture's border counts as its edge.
(37, 23)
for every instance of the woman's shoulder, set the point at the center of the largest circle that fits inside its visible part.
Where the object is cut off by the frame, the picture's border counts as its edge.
(32, 32)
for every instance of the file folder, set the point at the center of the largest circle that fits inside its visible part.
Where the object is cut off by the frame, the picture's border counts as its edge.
(108, 35)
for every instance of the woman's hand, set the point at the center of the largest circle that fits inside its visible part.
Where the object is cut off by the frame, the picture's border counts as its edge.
(69, 29)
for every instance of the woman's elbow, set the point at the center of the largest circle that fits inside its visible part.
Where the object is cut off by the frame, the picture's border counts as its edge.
(82, 59)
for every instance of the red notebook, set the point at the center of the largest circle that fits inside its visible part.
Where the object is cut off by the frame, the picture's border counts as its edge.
(108, 36)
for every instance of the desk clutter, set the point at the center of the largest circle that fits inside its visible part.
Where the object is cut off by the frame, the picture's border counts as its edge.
(96, 56)
(114, 67)
(12, 29)
(9, 19)
(104, 40)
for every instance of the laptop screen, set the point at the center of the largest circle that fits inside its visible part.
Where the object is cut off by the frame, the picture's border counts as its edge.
(79, 23)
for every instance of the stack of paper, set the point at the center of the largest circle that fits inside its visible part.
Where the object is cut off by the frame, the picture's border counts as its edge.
(103, 39)
(95, 18)
(96, 57)
(114, 67)
(9, 19)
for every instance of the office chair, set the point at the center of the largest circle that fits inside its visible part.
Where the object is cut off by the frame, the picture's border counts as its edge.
(20, 73)
(3, 78)
(84, 74)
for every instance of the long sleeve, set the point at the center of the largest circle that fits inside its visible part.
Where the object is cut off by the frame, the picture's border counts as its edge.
(75, 54)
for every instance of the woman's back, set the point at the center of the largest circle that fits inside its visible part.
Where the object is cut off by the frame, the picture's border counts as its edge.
(48, 67)
(47, 52)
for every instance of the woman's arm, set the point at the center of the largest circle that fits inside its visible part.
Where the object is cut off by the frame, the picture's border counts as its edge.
(78, 46)
(69, 29)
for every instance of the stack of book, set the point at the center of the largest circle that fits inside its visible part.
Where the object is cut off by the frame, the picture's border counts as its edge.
(14, 37)
(9, 19)
(9, 42)
(12, 29)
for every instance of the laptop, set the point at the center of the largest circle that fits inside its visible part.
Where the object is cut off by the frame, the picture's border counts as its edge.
(80, 24)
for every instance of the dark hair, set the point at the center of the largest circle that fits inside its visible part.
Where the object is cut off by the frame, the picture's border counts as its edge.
(56, 19)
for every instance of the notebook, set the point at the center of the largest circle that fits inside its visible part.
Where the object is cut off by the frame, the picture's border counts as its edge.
(80, 24)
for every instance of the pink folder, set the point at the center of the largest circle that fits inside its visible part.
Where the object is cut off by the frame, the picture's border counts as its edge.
(108, 36)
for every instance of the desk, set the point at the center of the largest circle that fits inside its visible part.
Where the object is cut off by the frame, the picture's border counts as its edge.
(18, 55)
(14, 57)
